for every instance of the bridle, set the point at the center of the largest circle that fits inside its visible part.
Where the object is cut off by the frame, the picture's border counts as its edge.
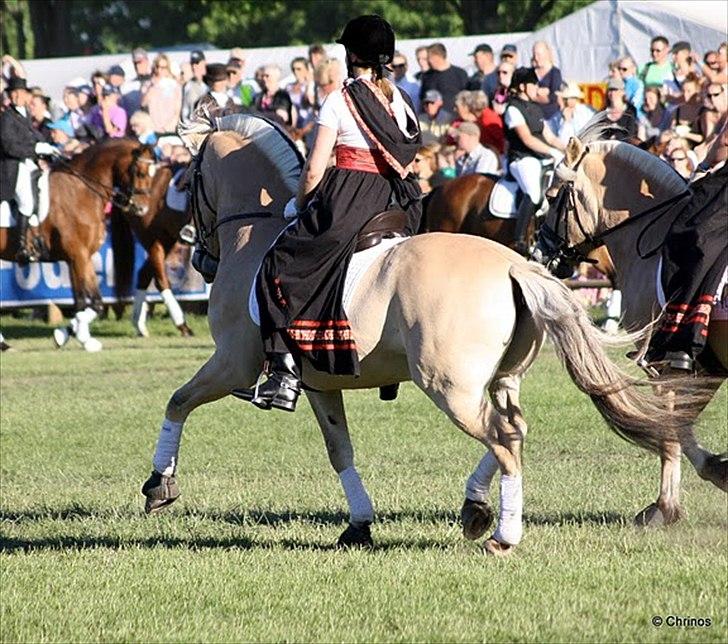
(121, 199)
(553, 247)
(203, 259)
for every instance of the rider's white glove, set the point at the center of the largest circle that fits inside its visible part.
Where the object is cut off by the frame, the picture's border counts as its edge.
(46, 149)
(290, 211)
(556, 155)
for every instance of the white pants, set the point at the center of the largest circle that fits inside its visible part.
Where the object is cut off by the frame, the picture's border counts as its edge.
(527, 172)
(24, 190)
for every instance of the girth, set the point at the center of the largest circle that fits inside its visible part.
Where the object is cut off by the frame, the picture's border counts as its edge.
(386, 224)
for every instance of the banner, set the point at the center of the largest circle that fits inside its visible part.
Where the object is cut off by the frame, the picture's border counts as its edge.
(46, 282)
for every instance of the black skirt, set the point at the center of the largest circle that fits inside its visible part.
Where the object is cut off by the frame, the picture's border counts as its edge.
(301, 283)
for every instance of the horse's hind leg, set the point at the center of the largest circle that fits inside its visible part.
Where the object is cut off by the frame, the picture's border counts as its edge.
(88, 303)
(221, 373)
(329, 410)
(141, 306)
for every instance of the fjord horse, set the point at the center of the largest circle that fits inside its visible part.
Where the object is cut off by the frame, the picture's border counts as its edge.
(118, 170)
(610, 182)
(157, 231)
(462, 317)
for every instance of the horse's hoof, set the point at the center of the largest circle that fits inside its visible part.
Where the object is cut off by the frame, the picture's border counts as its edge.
(142, 331)
(61, 337)
(185, 331)
(653, 516)
(4, 346)
(715, 470)
(160, 491)
(92, 345)
(496, 548)
(477, 517)
(356, 537)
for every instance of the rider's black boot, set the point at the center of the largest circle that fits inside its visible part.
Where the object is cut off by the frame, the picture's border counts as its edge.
(280, 390)
(526, 211)
(25, 252)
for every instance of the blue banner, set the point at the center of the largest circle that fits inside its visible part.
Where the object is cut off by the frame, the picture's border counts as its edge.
(46, 282)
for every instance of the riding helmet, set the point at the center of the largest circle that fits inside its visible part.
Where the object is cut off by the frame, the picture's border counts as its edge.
(523, 76)
(371, 38)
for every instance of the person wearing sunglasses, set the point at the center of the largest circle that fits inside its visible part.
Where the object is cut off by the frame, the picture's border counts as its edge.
(500, 97)
(715, 67)
(659, 69)
(163, 97)
(402, 80)
(678, 156)
(713, 117)
(634, 88)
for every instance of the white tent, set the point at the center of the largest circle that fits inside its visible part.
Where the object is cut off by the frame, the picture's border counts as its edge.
(586, 41)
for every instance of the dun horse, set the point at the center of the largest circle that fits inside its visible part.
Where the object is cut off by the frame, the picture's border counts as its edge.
(158, 231)
(462, 317)
(75, 227)
(611, 181)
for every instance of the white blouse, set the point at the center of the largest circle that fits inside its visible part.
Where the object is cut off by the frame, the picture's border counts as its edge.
(335, 114)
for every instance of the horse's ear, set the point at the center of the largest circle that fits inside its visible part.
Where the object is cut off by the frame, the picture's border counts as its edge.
(574, 149)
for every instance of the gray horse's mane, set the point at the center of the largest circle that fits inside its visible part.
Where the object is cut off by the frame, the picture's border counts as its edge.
(265, 135)
(651, 167)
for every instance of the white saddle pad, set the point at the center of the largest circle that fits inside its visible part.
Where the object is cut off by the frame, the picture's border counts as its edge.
(502, 201)
(7, 218)
(176, 199)
(360, 263)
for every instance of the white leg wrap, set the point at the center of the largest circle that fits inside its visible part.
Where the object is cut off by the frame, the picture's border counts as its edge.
(510, 517)
(165, 456)
(360, 506)
(175, 312)
(478, 486)
(614, 306)
(81, 324)
(139, 314)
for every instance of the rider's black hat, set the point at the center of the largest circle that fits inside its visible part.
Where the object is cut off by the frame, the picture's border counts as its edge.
(371, 38)
(16, 83)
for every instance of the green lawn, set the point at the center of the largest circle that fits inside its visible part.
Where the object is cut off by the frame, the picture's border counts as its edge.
(246, 553)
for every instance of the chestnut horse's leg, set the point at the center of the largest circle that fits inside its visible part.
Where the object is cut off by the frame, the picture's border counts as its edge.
(141, 307)
(157, 254)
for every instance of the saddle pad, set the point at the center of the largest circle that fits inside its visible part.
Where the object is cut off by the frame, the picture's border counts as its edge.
(176, 199)
(720, 308)
(358, 266)
(502, 201)
(7, 218)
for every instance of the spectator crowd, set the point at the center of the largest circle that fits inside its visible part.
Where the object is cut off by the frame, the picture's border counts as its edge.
(673, 103)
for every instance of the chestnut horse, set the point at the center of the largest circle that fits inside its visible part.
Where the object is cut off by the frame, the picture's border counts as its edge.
(461, 206)
(158, 231)
(119, 171)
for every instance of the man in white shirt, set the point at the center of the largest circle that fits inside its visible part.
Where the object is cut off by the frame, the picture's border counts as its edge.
(475, 158)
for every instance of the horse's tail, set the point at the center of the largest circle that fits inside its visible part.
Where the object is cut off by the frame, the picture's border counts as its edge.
(630, 406)
(122, 245)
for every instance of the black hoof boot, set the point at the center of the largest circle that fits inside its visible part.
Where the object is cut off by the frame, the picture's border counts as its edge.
(282, 388)
(160, 491)
(356, 537)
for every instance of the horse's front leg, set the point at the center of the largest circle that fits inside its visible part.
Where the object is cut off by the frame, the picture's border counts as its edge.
(157, 254)
(224, 371)
(329, 410)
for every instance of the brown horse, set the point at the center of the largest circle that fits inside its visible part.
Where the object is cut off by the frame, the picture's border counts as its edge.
(119, 171)
(461, 206)
(158, 231)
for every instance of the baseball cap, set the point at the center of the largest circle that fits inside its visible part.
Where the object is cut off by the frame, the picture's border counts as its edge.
(116, 70)
(109, 89)
(615, 83)
(509, 49)
(62, 124)
(681, 45)
(467, 127)
(196, 56)
(484, 47)
(138, 54)
(432, 96)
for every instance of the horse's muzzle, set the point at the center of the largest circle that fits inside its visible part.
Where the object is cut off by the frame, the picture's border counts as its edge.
(205, 264)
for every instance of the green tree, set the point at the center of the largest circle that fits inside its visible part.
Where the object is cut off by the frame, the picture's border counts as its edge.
(15, 25)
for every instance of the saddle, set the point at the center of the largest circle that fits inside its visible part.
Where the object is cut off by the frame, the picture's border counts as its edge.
(384, 225)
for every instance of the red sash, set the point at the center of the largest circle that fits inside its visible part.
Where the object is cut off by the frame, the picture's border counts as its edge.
(365, 160)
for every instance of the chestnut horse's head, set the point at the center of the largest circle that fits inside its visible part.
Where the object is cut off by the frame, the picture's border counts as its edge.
(135, 173)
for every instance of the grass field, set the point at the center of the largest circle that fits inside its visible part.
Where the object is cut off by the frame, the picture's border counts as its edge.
(246, 553)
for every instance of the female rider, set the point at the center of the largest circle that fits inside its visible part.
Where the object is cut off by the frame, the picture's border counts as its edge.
(373, 128)
(529, 141)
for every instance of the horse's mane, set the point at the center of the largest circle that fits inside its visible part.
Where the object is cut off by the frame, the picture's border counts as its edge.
(92, 153)
(652, 168)
(265, 135)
